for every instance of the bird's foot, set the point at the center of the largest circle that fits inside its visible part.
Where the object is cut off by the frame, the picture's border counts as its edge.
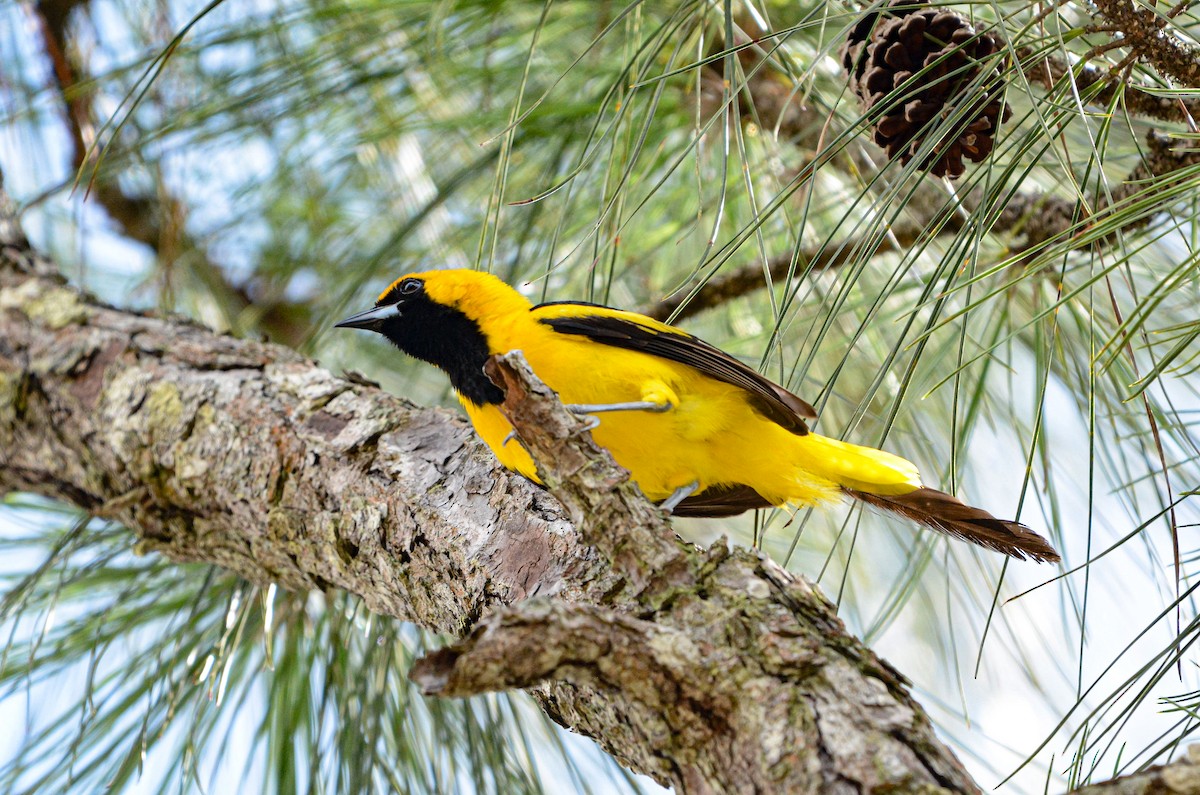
(679, 495)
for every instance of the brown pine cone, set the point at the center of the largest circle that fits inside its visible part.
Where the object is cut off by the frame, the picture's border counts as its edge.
(886, 48)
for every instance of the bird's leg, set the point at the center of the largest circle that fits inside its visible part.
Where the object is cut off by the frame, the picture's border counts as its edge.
(588, 411)
(656, 396)
(635, 405)
(679, 495)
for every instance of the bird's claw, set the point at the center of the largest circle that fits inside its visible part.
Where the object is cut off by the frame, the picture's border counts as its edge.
(590, 423)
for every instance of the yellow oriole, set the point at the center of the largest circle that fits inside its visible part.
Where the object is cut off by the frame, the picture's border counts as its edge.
(696, 428)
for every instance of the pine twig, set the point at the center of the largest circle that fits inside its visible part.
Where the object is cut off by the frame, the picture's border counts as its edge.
(749, 278)
(1047, 70)
(1146, 35)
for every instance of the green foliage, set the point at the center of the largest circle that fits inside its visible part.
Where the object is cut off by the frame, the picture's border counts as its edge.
(1027, 334)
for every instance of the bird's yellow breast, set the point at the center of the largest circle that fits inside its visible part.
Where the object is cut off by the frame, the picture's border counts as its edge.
(710, 433)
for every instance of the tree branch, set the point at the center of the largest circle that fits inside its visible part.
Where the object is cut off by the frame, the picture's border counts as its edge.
(712, 671)
(1034, 218)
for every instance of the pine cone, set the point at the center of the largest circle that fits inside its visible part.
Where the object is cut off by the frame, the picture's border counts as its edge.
(888, 47)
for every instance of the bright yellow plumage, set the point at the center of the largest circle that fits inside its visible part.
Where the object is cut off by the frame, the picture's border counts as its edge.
(704, 425)
(713, 436)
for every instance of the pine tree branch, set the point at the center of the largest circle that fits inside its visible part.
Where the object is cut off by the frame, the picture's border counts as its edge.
(1032, 218)
(712, 671)
(253, 458)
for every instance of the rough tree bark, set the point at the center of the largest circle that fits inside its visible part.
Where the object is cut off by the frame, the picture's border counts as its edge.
(710, 670)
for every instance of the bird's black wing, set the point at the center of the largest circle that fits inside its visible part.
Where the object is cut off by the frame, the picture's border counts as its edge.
(722, 501)
(636, 332)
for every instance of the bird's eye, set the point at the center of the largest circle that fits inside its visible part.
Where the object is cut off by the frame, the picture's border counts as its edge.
(410, 286)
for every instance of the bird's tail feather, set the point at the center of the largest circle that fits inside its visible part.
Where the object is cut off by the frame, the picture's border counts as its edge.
(951, 515)
(890, 482)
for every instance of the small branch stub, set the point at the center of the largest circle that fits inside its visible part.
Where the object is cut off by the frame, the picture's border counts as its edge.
(596, 492)
(524, 645)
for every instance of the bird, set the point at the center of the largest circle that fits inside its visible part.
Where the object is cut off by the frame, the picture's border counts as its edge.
(699, 431)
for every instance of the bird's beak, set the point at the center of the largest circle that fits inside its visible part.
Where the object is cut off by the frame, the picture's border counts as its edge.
(372, 319)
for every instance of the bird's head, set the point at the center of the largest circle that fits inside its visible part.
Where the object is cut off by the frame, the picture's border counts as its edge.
(446, 318)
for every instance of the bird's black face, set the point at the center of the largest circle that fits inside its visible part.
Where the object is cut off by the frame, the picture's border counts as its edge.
(388, 309)
(433, 332)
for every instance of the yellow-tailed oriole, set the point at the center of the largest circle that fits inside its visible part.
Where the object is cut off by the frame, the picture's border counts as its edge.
(696, 428)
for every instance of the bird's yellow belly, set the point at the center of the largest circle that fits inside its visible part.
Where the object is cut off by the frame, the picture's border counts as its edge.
(710, 435)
